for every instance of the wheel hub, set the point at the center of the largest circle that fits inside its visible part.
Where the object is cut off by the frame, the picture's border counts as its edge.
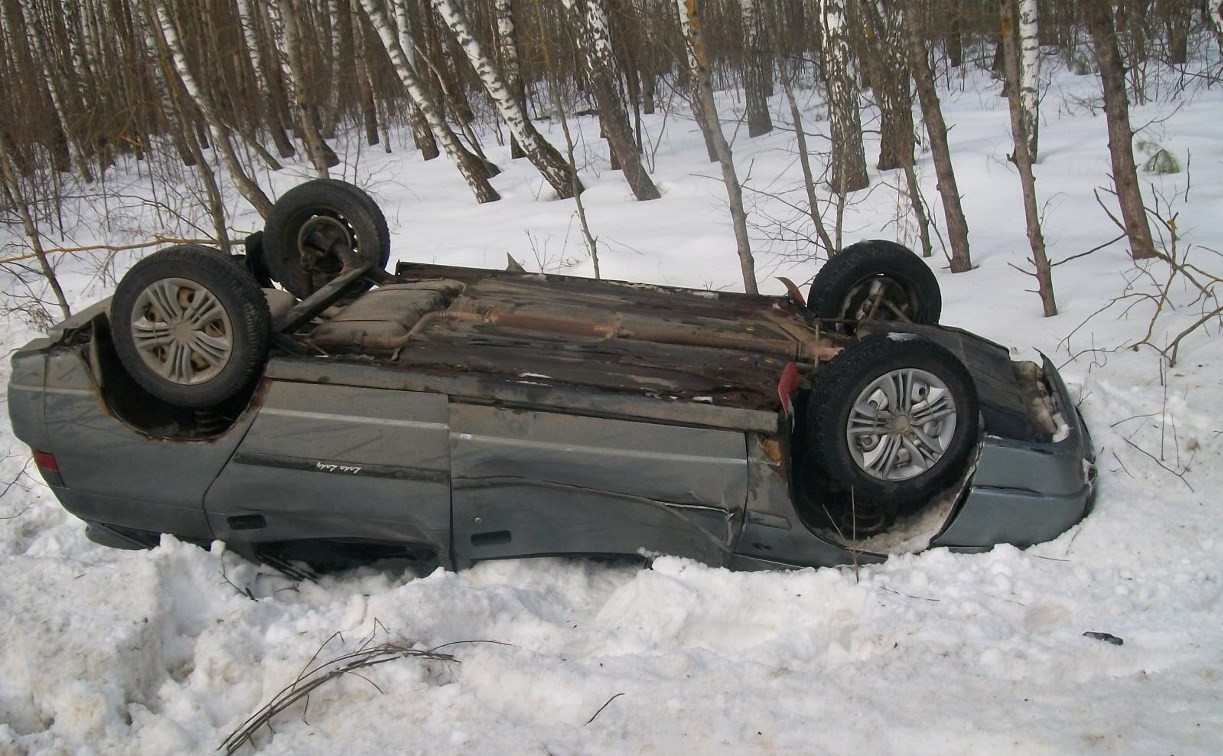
(901, 424)
(324, 241)
(879, 298)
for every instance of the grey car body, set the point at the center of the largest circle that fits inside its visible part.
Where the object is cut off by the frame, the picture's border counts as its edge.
(471, 414)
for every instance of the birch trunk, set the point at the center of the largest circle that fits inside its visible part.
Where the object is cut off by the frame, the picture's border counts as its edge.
(1023, 158)
(1120, 136)
(555, 170)
(422, 131)
(473, 172)
(321, 156)
(55, 90)
(507, 53)
(255, 22)
(1029, 72)
(690, 24)
(936, 129)
(841, 85)
(757, 70)
(594, 38)
(365, 87)
(169, 36)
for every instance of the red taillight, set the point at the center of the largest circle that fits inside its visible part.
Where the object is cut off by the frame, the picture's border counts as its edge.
(46, 462)
(786, 388)
(48, 467)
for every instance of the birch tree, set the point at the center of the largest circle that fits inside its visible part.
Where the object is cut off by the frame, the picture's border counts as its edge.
(1120, 135)
(690, 24)
(55, 88)
(272, 109)
(1029, 72)
(1022, 157)
(422, 128)
(841, 86)
(594, 39)
(507, 56)
(757, 69)
(555, 170)
(321, 156)
(472, 170)
(167, 34)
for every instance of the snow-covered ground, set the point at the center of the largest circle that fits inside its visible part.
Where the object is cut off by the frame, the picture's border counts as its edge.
(168, 651)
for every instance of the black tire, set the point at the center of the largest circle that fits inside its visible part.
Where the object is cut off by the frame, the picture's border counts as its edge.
(888, 468)
(171, 361)
(315, 227)
(904, 287)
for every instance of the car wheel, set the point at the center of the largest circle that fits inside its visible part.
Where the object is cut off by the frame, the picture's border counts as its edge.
(875, 280)
(315, 227)
(190, 326)
(893, 419)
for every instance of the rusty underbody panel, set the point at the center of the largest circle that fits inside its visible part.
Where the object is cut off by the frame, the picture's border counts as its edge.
(719, 348)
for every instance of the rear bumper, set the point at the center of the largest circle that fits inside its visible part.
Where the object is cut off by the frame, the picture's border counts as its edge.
(1027, 492)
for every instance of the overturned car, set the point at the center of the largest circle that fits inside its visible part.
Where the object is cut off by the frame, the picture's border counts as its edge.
(446, 415)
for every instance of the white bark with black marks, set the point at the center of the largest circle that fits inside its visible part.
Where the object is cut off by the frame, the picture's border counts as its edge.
(1029, 72)
(246, 186)
(470, 168)
(594, 38)
(1022, 158)
(555, 170)
(321, 156)
(507, 54)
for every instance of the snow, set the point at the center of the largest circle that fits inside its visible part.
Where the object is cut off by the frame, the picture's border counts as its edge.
(170, 650)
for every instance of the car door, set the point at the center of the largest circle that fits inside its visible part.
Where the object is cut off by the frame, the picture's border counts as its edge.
(530, 482)
(342, 462)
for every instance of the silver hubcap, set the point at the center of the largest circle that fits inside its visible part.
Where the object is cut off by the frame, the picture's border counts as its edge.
(182, 331)
(900, 424)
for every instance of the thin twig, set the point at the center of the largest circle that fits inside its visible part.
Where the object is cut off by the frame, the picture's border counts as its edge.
(112, 248)
(601, 708)
(1155, 459)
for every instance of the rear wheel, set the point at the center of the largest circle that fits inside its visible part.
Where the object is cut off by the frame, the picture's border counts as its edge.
(190, 326)
(317, 228)
(892, 420)
(875, 280)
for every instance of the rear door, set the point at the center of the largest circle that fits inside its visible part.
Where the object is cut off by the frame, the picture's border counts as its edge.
(333, 461)
(527, 482)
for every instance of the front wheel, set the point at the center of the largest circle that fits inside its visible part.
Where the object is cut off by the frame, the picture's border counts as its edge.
(894, 419)
(190, 326)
